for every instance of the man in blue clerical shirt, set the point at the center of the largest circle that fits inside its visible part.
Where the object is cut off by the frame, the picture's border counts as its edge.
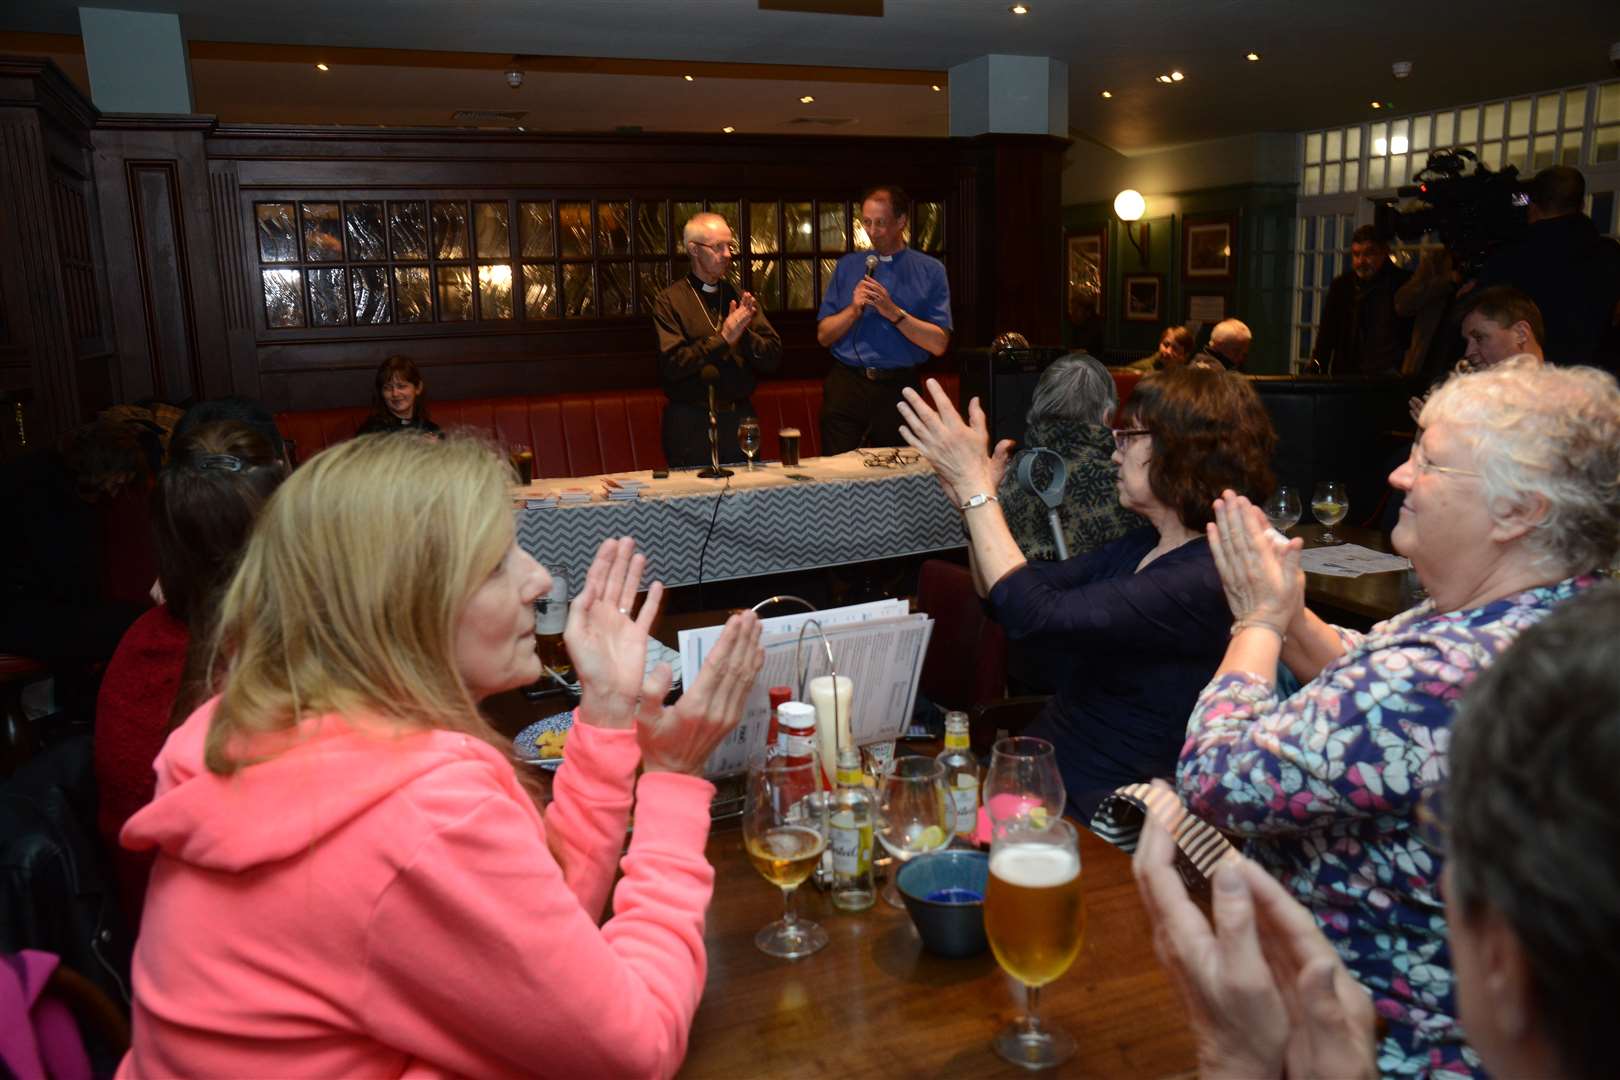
(884, 312)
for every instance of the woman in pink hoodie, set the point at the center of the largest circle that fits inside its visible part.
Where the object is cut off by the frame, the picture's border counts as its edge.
(350, 878)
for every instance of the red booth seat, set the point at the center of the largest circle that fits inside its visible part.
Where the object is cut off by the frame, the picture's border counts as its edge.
(582, 434)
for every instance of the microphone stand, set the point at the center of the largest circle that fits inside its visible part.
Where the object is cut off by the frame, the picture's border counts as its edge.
(714, 471)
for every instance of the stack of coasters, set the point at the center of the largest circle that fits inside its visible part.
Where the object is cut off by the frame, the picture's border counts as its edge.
(618, 490)
(569, 496)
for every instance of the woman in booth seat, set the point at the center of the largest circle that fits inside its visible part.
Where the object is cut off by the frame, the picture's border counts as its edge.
(351, 879)
(1512, 503)
(1139, 623)
(400, 403)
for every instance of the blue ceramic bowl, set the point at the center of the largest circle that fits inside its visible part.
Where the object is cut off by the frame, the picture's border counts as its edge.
(944, 891)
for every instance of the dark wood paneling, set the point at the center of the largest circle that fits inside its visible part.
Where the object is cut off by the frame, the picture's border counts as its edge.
(160, 250)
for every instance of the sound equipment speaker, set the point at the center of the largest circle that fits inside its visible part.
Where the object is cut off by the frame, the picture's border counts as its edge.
(1004, 382)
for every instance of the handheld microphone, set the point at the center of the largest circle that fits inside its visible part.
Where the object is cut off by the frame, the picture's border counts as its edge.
(871, 264)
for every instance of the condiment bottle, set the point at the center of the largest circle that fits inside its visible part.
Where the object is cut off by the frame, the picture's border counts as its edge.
(796, 739)
(773, 736)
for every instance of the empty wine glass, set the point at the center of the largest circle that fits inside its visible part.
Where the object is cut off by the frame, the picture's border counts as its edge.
(914, 815)
(748, 438)
(1283, 509)
(1329, 504)
(785, 830)
(1023, 781)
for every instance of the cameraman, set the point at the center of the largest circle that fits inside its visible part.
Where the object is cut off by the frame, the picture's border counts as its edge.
(1361, 332)
(1567, 267)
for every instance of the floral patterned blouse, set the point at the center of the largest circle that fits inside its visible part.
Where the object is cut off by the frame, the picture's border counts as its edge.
(1325, 785)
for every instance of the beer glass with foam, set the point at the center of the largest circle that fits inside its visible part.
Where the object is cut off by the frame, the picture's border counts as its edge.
(1035, 922)
(785, 832)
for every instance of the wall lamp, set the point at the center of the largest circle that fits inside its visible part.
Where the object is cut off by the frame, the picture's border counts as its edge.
(1129, 206)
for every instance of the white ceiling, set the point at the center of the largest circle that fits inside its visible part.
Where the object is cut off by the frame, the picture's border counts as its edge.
(1321, 63)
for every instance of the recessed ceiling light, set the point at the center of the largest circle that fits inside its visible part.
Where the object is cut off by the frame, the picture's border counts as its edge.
(805, 99)
(688, 78)
(1107, 93)
(322, 67)
(934, 87)
(1252, 57)
(728, 129)
(1176, 76)
(1377, 104)
(1019, 9)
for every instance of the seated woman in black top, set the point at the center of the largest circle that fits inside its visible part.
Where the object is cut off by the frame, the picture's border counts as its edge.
(400, 404)
(1142, 620)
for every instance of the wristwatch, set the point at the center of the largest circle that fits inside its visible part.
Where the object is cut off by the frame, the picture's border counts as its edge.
(977, 500)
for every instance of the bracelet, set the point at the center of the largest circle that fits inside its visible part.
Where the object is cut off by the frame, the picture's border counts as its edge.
(901, 319)
(1250, 624)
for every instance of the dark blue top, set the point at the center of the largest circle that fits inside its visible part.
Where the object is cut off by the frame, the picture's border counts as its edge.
(915, 281)
(1141, 646)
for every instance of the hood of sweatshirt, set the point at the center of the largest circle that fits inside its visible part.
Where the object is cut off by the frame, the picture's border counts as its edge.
(305, 784)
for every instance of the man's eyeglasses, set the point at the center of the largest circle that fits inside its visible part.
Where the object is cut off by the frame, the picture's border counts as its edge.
(889, 459)
(718, 249)
(1122, 436)
(1421, 463)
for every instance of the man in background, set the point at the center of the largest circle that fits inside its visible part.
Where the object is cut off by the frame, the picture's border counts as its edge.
(1361, 333)
(1228, 346)
(884, 312)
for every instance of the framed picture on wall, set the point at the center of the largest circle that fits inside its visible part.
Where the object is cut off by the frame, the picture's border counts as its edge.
(1085, 274)
(1143, 293)
(1209, 247)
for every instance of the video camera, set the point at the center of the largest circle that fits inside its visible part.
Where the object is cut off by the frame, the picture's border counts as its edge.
(1472, 213)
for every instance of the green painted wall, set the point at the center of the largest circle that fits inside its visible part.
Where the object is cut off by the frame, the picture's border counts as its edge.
(1260, 290)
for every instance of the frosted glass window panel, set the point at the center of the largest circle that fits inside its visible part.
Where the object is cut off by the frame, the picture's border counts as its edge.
(493, 236)
(1519, 117)
(1332, 146)
(537, 230)
(278, 232)
(1605, 145)
(1397, 170)
(1307, 233)
(762, 218)
(857, 231)
(449, 233)
(801, 287)
(1352, 142)
(1494, 117)
(574, 228)
(1375, 174)
(328, 297)
(1546, 153)
(1379, 134)
(1420, 133)
(1468, 126)
(283, 297)
(613, 228)
(767, 276)
(369, 288)
(683, 212)
(652, 278)
(1491, 155)
(652, 227)
(323, 232)
(578, 300)
(1516, 151)
(928, 225)
(1569, 151)
(798, 227)
(614, 278)
(832, 226)
(495, 291)
(1312, 183)
(1352, 176)
(1313, 148)
(1575, 108)
(1445, 125)
(363, 224)
(1547, 113)
(825, 270)
(413, 295)
(540, 292)
(731, 211)
(1330, 179)
(455, 293)
(407, 230)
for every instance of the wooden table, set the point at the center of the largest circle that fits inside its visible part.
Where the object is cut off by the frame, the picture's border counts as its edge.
(874, 1003)
(1356, 602)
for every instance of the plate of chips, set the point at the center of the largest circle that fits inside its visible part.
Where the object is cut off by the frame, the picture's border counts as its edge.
(542, 742)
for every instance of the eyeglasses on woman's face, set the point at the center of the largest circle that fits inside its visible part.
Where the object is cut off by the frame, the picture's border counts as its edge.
(1123, 436)
(1422, 464)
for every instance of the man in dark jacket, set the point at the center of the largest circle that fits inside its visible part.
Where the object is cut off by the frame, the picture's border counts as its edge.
(1361, 333)
(1567, 267)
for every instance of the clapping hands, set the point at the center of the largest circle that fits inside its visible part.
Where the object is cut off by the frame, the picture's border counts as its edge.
(1263, 581)
(739, 317)
(956, 448)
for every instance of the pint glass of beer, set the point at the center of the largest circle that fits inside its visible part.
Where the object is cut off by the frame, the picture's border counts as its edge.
(522, 462)
(1036, 923)
(550, 620)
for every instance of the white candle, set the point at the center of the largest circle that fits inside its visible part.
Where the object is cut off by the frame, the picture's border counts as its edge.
(835, 731)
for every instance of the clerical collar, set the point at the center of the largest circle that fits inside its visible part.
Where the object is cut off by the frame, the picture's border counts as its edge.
(699, 283)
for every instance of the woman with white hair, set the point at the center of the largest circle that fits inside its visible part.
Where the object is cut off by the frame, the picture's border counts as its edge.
(351, 879)
(1068, 415)
(1512, 505)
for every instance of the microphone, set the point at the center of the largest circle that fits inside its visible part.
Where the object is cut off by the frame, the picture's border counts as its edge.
(710, 375)
(871, 264)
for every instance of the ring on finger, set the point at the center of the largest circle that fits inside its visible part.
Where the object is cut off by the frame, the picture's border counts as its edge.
(624, 611)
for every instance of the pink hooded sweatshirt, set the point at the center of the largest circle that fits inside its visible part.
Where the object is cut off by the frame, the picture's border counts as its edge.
(374, 904)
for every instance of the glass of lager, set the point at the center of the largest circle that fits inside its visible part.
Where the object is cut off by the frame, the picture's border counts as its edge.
(1036, 923)
(785, 831)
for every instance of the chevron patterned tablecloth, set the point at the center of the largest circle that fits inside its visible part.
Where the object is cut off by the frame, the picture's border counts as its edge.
(766, 523)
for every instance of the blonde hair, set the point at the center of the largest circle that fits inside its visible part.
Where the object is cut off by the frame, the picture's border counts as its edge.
(347, 596)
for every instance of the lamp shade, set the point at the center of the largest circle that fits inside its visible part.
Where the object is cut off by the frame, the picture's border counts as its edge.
(1129, 205)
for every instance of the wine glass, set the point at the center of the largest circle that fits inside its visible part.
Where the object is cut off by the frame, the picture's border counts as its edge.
(1023, 781)
(1036, 923)
(748, 438)
(1283, 509)
(785, 831)
(1329, 504)
(914, 815)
